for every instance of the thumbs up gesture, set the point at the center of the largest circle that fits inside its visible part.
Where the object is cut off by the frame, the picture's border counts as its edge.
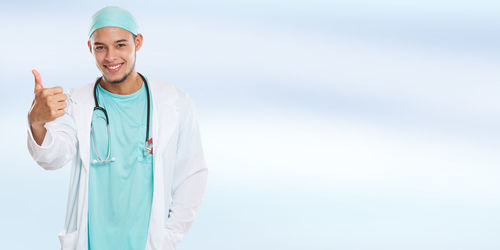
(48, 104)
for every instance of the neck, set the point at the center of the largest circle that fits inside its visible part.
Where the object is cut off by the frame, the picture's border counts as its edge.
(130, 85)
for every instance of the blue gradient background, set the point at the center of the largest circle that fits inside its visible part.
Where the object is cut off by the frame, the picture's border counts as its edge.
(326, 124)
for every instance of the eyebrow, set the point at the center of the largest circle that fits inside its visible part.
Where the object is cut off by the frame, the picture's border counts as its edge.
(119, 41)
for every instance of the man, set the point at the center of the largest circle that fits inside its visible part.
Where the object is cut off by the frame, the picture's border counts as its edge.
(138, 172)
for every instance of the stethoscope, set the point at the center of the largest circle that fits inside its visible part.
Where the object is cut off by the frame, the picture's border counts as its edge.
(149, 141)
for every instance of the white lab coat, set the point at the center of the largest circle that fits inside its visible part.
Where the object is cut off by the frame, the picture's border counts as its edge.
(179, 170)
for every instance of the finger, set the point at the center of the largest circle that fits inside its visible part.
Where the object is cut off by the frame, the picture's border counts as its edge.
(53, 90)
(57, 90)
(59, 97)
(59, 105)
(58, 113)
(38, 80)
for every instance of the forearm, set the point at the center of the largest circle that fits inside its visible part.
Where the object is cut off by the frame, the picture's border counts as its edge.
(38, 131)
(190, 176)
(57, 146)
(186, 201)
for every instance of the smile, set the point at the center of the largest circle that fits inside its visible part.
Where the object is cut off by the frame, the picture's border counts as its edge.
(113, 68)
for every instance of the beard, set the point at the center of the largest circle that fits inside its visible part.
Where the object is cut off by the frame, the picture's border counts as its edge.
(124, 76)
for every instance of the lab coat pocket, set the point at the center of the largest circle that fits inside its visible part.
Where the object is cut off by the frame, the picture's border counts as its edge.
(68, 240)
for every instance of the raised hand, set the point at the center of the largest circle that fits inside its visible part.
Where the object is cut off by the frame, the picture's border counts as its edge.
(48, 105)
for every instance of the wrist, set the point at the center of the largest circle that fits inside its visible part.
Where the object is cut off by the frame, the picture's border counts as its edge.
(35, 125)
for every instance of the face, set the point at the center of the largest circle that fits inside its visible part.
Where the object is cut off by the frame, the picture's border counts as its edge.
(114, 51)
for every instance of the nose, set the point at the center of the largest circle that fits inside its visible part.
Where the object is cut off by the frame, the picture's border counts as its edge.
(110, 55)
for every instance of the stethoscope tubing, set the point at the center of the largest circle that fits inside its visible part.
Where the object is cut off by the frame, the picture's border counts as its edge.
(97, 107)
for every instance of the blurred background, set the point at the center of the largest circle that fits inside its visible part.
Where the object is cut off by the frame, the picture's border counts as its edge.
(347, 125)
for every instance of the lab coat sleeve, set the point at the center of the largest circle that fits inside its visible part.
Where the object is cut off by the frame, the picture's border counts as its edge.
(190, 176)
(59, 144)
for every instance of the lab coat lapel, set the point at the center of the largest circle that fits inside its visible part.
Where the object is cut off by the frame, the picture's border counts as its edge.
(83, 101)
(164, 109)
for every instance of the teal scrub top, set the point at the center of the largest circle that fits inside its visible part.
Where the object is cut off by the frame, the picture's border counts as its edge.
(120, 192)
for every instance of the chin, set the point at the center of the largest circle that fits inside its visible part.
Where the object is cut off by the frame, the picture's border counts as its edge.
(115, 79)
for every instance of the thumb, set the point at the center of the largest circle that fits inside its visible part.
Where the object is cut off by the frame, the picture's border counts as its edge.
(38, 80)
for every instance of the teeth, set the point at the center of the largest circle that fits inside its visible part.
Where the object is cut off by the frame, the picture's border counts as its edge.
(114, 67)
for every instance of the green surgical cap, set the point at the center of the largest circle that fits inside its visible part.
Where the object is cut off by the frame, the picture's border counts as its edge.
(113, 16)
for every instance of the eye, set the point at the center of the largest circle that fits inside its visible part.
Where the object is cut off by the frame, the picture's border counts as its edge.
(121, 45)
(99, 47)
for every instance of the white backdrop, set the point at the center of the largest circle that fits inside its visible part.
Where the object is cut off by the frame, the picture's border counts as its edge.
(325, 124)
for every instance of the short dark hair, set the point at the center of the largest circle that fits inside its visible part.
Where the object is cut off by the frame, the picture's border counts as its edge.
(133, 37)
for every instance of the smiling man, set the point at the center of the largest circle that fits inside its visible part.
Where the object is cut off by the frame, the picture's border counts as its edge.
(138, 171)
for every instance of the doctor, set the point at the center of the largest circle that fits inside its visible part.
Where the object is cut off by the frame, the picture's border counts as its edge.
(138, 172)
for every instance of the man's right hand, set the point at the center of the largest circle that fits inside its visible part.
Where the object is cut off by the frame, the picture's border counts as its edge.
(48, 104)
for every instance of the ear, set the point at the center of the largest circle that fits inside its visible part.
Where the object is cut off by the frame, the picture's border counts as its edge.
(138, 41)
(90, 47)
